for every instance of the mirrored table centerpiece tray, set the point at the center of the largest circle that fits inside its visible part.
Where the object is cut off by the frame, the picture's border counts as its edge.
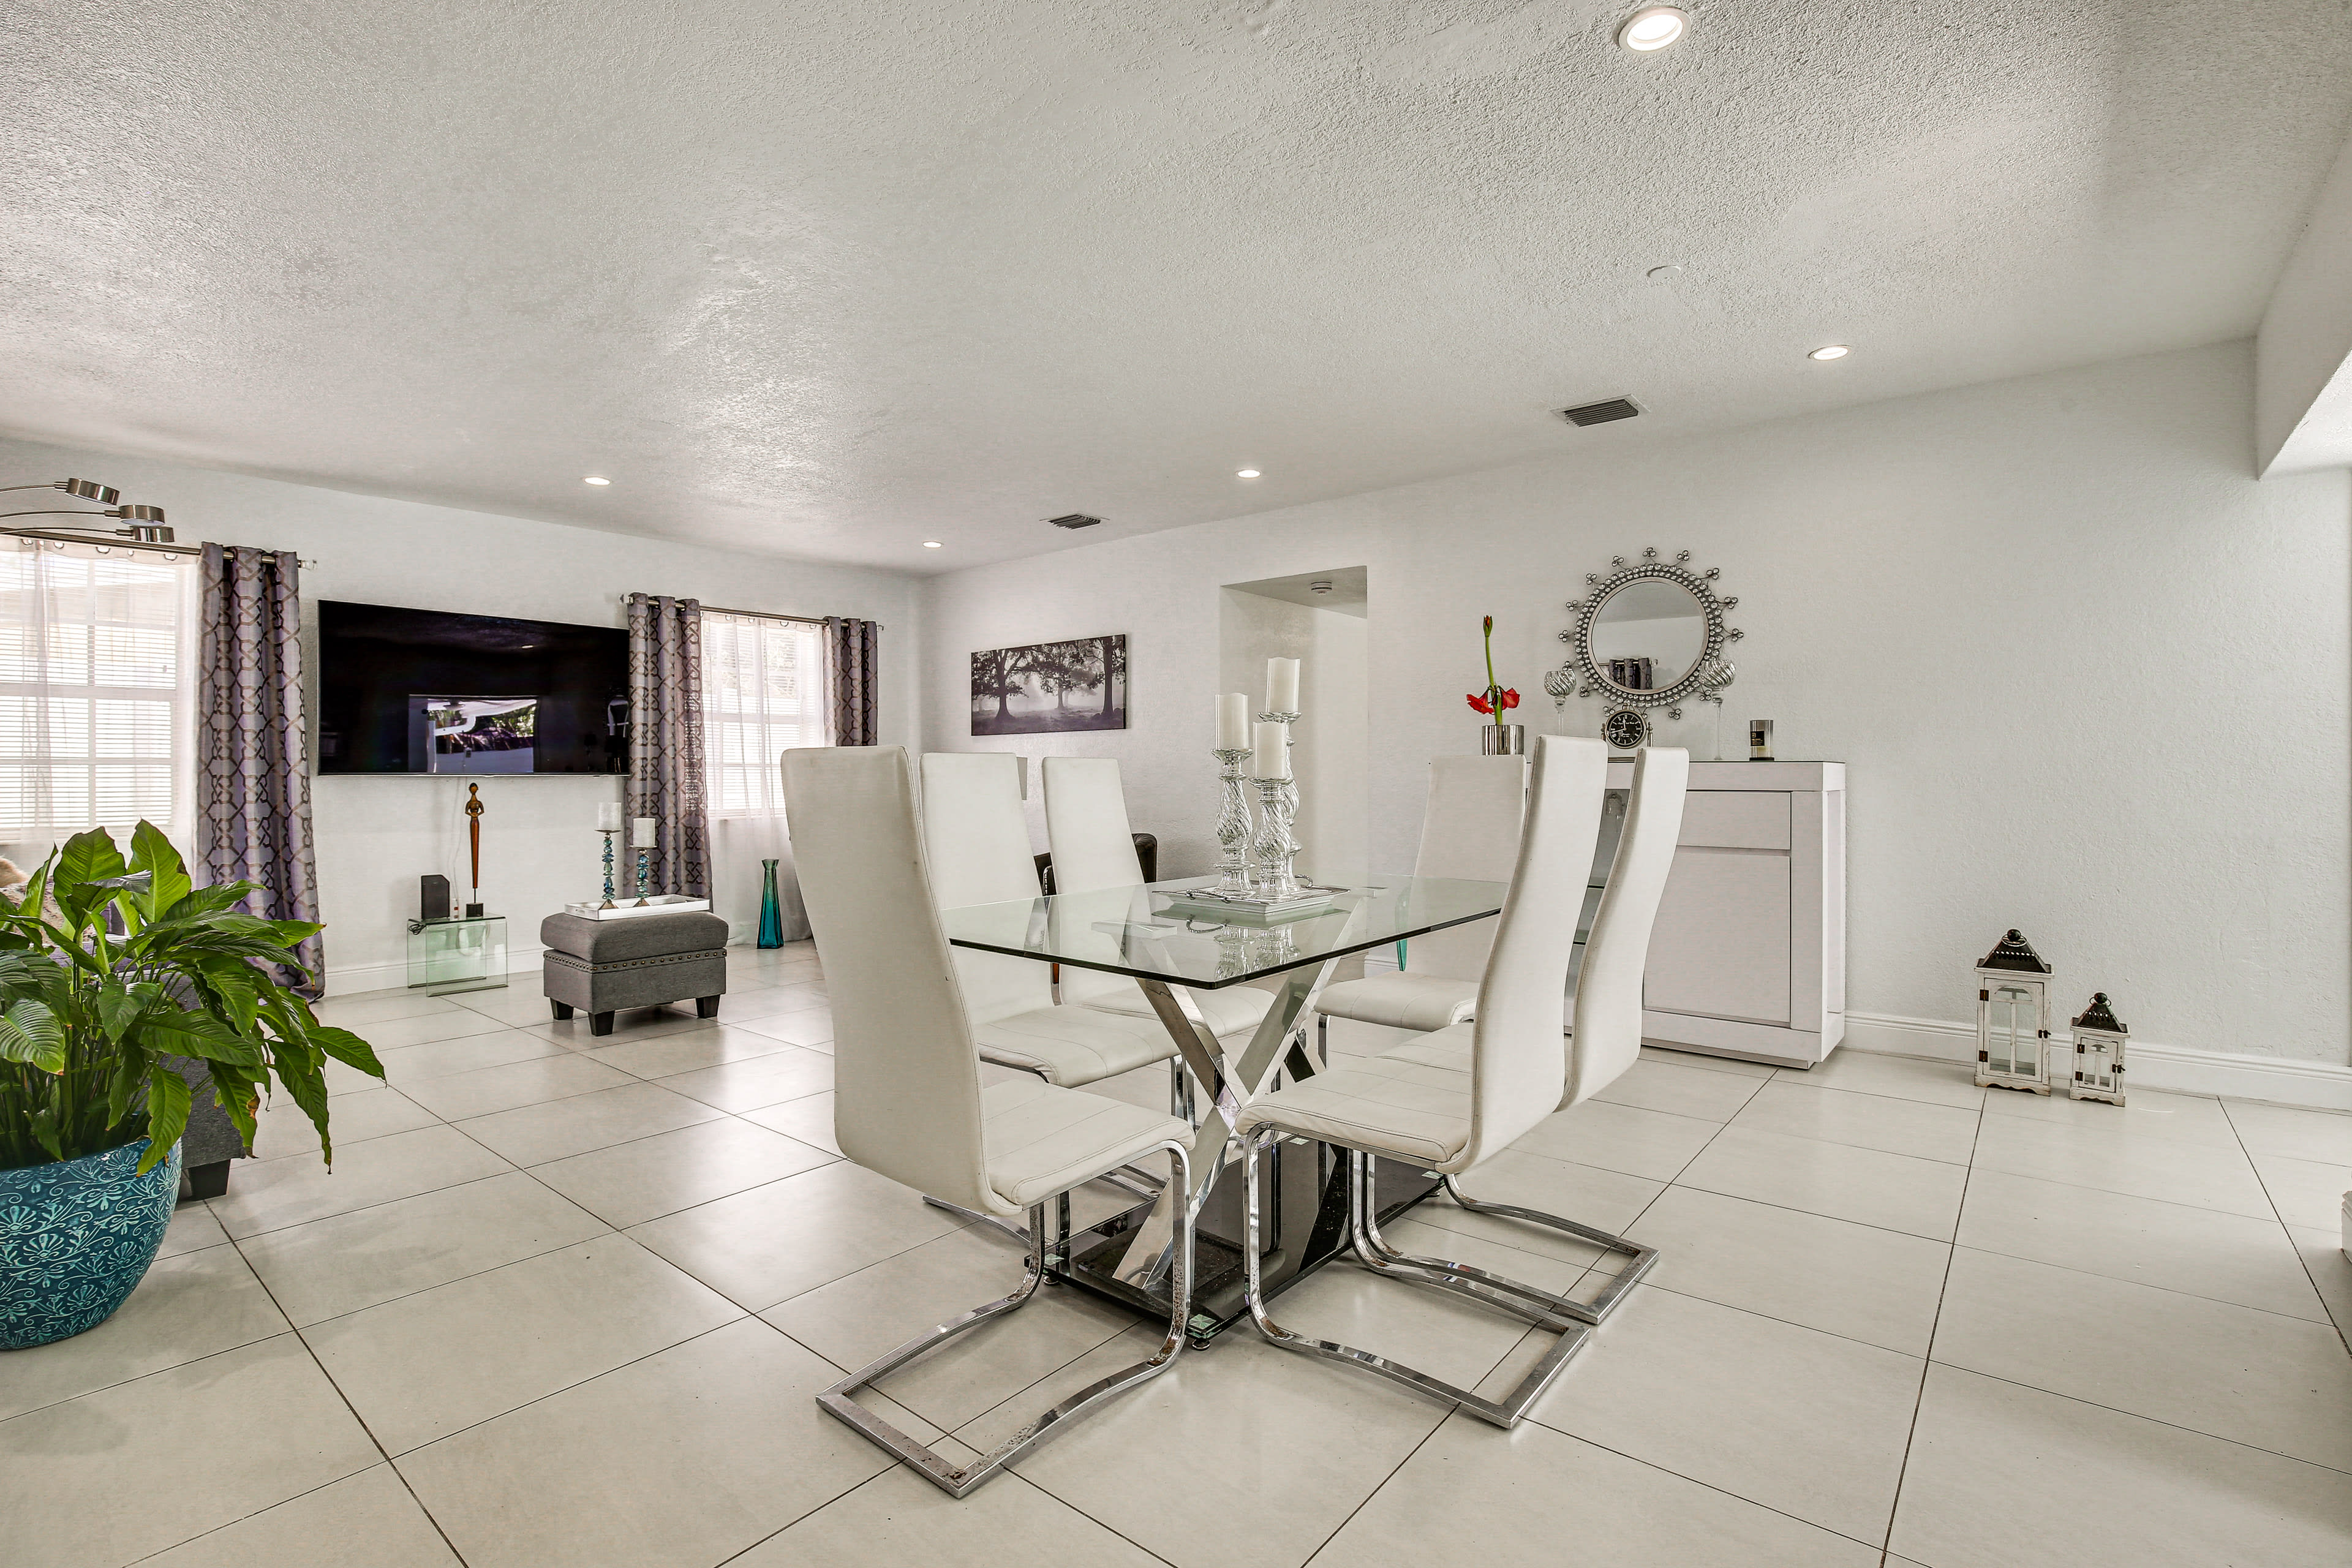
(629, 908)
(1253, 909)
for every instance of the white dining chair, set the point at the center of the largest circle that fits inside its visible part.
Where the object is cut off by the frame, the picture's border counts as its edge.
(908, 1101)
(1605, 1037)
(979, 843)
(1470, 829)
(1086, 828)
(1450, 1121)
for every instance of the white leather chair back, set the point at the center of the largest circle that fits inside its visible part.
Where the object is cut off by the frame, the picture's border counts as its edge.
(1518, 1065)
(906, 1073)
(1470, 829)
(1086, 828)
(977, 839)
(1608, 1037)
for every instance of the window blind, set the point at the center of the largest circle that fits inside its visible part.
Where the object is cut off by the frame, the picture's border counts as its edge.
(96, 686)
(762, 694)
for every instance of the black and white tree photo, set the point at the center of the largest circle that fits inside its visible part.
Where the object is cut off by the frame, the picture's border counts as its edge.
(1080, 684)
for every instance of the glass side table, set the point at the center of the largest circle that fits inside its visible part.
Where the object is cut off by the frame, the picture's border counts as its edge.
(457, 954)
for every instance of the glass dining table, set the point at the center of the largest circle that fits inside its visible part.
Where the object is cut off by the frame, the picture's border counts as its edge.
(1171, 950)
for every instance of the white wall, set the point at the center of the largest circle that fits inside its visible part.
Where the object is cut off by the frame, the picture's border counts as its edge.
(2091, 676)
(1329, 743)
(376, 835)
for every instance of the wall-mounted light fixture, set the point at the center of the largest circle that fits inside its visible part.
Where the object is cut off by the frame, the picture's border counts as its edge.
(146, 521)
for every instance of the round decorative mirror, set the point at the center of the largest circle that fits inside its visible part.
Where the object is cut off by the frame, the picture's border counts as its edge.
(1651, 635)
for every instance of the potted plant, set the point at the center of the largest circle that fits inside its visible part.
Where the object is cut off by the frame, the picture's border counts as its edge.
(109, 970)
(1498, 739)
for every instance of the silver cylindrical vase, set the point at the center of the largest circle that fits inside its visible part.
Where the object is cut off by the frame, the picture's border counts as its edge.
(1503, 740)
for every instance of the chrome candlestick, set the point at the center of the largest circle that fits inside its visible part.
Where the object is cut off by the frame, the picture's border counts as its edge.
(1274, 849)
(1233, 825)
(1289, 784)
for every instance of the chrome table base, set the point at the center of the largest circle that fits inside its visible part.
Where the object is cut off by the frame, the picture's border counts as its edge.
(957, 1480)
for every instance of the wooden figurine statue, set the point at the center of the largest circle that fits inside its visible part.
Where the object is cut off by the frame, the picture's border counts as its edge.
(474, 809)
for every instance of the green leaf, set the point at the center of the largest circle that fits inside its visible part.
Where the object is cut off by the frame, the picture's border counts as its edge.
(167, 1115)
(347, 1048)
(30, 1032)
(118, 1008)
(196, 1034)
(82, 860)
(168, 876)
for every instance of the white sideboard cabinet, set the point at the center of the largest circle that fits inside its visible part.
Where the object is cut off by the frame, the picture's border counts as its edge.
(1748, 958)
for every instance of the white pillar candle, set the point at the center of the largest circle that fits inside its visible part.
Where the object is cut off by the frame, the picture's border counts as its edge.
(1232, 721)
(1282, 686)
(643, 838)
(1270, 759)
(608, 817)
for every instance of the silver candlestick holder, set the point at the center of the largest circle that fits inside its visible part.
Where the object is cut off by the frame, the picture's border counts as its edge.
(608, 832)
(1290, 783)
(1233, 825)
(645, 864)
(1273, 848)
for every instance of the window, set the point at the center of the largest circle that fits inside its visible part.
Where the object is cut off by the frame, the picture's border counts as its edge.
(762, 694)
(97, 677)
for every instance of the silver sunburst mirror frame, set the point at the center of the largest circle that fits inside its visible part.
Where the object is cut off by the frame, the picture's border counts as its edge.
(1708, 674)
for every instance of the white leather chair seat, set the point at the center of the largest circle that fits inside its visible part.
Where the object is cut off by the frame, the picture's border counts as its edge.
(1072, 1046)
(1042, 1140)
(1447, 1050)
(1235, 1010)
(1402, 1000)
(1384, 1106)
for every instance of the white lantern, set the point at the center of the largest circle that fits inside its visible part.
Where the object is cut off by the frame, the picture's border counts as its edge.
(2099, 1038)
(2013, 1016)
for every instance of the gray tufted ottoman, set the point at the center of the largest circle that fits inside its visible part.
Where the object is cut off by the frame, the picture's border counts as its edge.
(603, 966)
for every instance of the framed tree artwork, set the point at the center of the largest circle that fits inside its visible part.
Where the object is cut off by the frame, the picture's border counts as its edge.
(1046, 686)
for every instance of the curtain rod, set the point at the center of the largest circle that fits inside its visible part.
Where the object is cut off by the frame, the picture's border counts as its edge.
(769, 616)
(196, 549)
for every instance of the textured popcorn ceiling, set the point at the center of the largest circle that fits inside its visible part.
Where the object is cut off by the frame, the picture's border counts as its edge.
(830, 279)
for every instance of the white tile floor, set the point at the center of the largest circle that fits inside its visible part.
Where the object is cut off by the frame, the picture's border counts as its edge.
(565, 1301)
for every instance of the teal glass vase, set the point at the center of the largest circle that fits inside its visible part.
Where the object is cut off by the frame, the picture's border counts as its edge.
(771, 919)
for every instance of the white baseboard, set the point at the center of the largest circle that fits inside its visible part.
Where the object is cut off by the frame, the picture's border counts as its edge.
(351, 979)
(2321, 1085)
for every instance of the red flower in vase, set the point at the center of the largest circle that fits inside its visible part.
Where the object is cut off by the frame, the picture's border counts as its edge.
(1490, 702)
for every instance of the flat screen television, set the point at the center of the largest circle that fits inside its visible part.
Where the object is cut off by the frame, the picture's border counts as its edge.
(424, 691)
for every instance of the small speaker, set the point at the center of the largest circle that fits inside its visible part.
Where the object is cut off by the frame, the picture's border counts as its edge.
(433, 898)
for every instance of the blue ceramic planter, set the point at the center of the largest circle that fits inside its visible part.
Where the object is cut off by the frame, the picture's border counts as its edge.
(76, 1238)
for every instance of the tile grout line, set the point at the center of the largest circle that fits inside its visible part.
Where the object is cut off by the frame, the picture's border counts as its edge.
(2292, 1242)
(2145, 1285)
(1439, 1425)
(374, 1441)
(1928, 1361)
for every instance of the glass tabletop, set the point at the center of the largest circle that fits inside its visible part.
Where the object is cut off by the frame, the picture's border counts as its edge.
(1134, 931)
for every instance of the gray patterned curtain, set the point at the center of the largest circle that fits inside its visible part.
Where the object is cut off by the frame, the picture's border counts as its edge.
(253, 775)
(666, 758)
(850, 649)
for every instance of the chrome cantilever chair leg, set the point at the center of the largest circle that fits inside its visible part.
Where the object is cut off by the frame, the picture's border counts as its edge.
(1506, 1412)
(959, 1481)
(1608, 1301)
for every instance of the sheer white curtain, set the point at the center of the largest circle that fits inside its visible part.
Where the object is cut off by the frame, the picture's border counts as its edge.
(763, 694)
(97, 709)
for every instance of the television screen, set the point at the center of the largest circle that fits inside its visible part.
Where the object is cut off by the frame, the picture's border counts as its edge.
(423, 692)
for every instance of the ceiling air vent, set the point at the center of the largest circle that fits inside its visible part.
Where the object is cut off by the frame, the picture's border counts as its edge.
(1074, 520)
(1599, 413)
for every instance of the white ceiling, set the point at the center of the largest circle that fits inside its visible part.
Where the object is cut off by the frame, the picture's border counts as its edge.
(828, 279)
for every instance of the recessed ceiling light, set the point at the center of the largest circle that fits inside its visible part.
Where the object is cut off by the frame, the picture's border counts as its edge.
(595, 480)
(934, 544)
(1246, 473)
(1652, 27)
(1829, 351)
(1665, 274)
